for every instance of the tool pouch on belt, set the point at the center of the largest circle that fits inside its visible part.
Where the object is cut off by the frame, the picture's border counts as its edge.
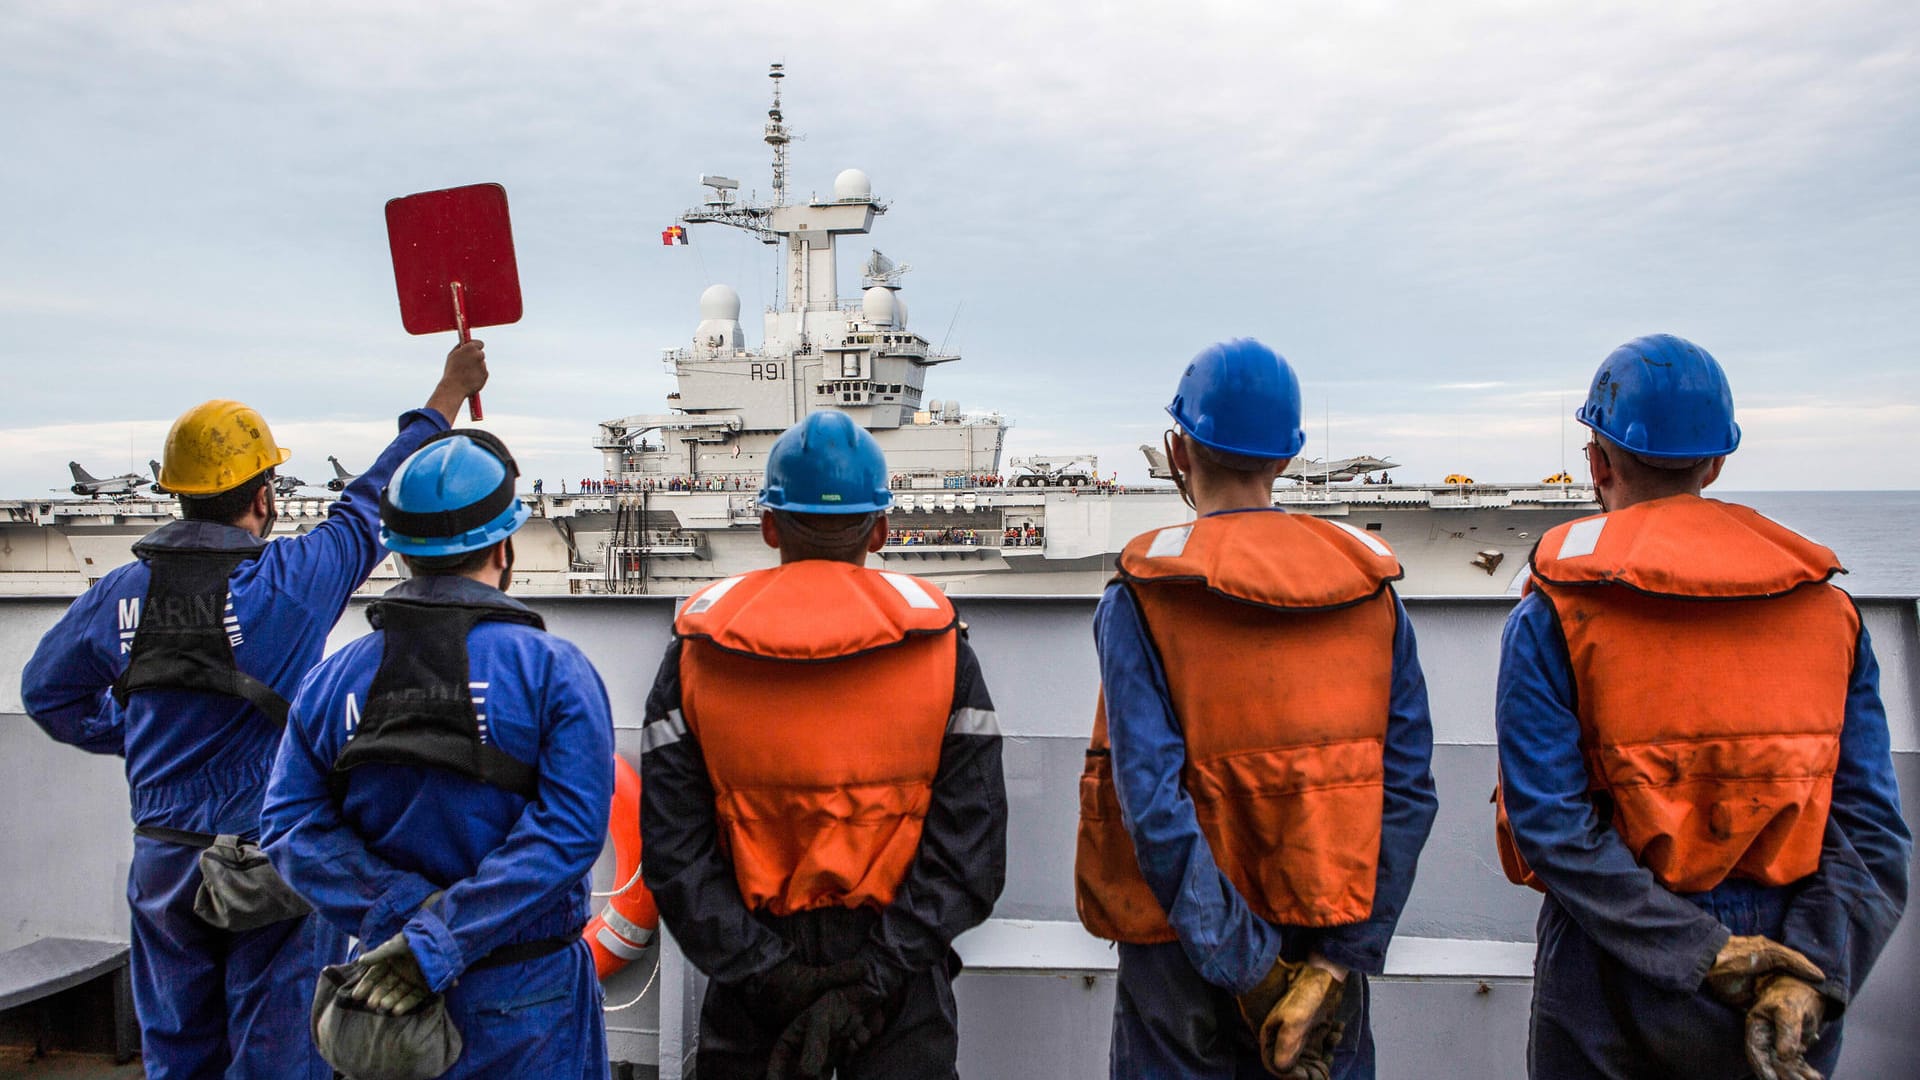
(240, 890)
(366, 1045)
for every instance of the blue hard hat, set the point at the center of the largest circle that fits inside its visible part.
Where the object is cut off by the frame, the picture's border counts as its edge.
(452, 496)
(1240, 397)
(826, 464)
(1662, 396)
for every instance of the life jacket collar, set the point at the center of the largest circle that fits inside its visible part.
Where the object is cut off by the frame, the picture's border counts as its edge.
(204, 536)
(814, 610)
(452, 591)
(1684, 546)
(1265, 557)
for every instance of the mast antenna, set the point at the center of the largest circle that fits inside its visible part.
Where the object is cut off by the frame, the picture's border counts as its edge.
(778, 137)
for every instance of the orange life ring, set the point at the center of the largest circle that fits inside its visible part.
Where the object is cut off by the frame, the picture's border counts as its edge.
(625, 926)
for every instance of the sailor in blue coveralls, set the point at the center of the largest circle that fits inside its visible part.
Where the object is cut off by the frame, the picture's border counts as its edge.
(195, 702)
(1709, 913)
(443, 789)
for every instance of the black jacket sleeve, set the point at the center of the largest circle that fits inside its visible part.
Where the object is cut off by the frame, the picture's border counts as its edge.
(961, 866)
(692, 881)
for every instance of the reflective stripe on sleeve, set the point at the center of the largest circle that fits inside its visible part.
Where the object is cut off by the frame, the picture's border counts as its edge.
(973, 722)
(663, 732)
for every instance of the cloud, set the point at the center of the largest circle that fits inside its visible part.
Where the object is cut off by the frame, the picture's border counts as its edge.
(1445, 215)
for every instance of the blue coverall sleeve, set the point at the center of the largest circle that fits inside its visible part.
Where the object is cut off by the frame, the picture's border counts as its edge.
(1580, 859)
(1226, 942)
(1844, 913)
(66, 686)
(961, 865)
(1407, 810)
(335, 558)
(692, 882)
(553, 844)
(316, 851)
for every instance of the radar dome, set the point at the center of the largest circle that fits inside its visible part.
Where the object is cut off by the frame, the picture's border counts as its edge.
(878, 305)
(720, 302)
(852, 184)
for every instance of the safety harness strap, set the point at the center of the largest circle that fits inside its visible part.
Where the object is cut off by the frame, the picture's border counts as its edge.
(420, 707)
(183, 641)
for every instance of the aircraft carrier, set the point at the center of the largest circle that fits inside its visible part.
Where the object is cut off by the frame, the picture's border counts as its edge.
(674, 508)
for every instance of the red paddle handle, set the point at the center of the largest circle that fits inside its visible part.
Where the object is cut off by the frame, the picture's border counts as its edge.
(460, 322)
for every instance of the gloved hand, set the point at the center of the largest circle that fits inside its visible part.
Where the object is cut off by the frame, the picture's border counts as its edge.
(786, 991)
(1783, 1023)
(1735, 976)
(390, 980)
(1256, 1003)
(1299, 1033)
(831, 1030)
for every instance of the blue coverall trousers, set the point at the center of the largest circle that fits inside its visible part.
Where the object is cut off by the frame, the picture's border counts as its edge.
(1171, 1024)
(1593, 1018)
(215, 1003)
(537, 1018)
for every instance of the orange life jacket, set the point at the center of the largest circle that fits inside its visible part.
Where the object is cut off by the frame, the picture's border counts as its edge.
(820, 693)
(1276, 633)
(1711, 662)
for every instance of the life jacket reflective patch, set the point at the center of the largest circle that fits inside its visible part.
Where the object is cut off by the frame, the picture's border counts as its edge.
(1276, 634)
(1713, 727)
(820, 693)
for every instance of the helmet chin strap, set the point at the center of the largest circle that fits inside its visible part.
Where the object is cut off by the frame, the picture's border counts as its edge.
(1179, 478)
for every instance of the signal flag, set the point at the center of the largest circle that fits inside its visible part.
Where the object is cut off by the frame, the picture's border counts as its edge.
(673, 234)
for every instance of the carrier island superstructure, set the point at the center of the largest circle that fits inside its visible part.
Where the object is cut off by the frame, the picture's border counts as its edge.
(674, 507)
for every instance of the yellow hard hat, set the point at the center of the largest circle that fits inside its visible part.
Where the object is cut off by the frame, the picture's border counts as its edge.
(217, 446)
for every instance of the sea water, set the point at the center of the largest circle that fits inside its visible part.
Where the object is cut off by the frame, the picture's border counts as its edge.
(1875, 533)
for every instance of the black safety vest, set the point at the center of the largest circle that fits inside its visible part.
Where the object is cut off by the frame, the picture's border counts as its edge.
(420, 707)
(182, 642)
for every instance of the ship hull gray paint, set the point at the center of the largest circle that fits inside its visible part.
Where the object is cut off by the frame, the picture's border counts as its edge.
(69, 828)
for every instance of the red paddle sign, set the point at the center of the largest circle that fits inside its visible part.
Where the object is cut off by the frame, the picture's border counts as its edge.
(453, 262)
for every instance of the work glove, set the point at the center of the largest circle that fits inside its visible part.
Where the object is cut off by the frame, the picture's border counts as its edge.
(1734, 979)
(390, 980)
(792, 985)
(1299, 1034)
(1783, 1023)
(829, 1032)
(1292, 1016)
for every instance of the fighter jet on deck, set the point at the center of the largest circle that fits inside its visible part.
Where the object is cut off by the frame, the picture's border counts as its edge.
(1304, 470)
(154, 467)
(341, 477)
(85, 483)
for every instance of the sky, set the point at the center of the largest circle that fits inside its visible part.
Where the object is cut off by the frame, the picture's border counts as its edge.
(1444, 215)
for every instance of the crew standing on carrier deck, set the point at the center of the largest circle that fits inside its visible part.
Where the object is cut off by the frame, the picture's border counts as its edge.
(181, 662)
(1695, 765)
(1258, 788)
(442, 795)
(824, 809)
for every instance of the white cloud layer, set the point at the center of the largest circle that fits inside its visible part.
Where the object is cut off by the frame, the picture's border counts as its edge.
(1446, 215)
